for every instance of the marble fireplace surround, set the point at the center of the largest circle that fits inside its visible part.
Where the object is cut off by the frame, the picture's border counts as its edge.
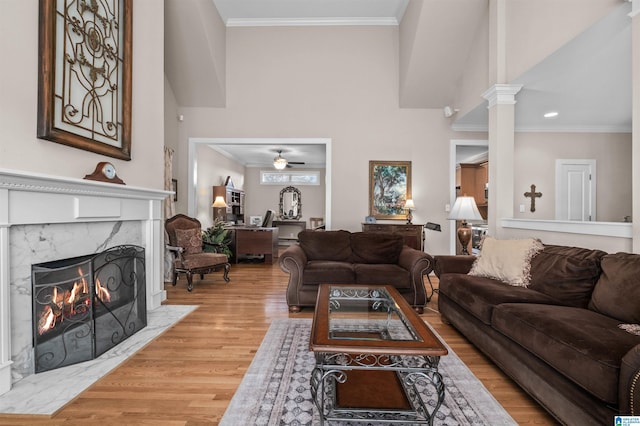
(44, 218)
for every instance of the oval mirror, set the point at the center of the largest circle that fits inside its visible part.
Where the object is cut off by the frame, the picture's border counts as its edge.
(290, 203)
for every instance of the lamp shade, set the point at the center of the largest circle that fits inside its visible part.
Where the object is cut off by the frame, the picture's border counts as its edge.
(465, 208)
(219, 202)
(409, 204)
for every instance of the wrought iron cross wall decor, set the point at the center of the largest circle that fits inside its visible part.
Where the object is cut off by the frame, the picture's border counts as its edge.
(84, 85)
(533, 195)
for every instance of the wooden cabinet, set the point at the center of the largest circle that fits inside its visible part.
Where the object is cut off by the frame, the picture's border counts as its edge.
(254, 241)
(235, 203)
(413, 234)
(473, 181)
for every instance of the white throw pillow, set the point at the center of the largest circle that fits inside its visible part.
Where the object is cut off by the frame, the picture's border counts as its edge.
(506, 260)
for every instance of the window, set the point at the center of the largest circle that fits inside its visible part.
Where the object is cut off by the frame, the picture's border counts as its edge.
(286, 178)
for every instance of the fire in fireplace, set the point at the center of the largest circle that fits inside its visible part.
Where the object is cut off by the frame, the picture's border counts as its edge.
(84, 306)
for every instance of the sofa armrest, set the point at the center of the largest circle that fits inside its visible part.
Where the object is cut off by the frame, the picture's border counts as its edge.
(629, 385)
(419, 264)
(449, 264)
(293, 260)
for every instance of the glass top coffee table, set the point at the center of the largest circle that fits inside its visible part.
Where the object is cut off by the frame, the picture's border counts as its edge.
(374, 356)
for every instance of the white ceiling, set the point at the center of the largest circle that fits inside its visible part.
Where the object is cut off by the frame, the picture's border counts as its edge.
(588, 81)
(252, 154)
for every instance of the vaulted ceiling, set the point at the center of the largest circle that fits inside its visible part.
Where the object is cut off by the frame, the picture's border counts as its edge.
(588, 79)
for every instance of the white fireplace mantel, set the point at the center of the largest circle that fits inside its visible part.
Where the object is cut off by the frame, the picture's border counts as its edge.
(34, 199)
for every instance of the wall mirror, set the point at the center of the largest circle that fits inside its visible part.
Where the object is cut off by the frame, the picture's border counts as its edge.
(290, 203)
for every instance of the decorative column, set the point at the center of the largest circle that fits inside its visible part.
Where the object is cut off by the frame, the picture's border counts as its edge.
(501, 99)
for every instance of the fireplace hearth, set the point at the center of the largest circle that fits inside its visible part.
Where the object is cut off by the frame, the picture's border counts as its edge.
(84, 306)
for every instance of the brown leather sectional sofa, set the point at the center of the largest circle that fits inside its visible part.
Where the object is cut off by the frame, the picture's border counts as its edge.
(568, 339)
(342, 257)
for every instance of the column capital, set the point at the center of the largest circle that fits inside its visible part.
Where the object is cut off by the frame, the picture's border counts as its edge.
(502, 94)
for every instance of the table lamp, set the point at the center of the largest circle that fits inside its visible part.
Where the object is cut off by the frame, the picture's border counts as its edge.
(464, 209)
(218, 205)
(408, 205)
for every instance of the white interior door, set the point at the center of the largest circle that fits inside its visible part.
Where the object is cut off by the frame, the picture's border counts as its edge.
(576, 190)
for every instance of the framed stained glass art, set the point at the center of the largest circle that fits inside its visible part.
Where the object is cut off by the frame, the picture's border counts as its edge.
(84, 87)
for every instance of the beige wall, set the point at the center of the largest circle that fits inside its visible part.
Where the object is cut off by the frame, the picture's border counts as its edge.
(213, 169)
(263, 197)
(535, 159)
(339, 83)
(19, 147)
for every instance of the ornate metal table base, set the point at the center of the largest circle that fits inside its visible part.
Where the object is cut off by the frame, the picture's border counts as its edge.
(376, 360)
(333, 369)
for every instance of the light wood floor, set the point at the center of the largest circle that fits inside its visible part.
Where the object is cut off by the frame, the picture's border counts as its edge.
(188, 375)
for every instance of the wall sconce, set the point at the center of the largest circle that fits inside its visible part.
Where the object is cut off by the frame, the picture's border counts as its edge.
(464, 209)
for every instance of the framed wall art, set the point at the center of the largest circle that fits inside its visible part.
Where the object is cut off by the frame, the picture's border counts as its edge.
(389, 188)
(84, 82)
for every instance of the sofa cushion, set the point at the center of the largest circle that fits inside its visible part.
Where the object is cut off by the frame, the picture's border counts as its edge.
(480, 295)
(617, 293)
(327, 245)
(568, 274)
(328, 271)
(506, 260)
(376, 247)
(190, 240)
(382, 274)
(585, 346)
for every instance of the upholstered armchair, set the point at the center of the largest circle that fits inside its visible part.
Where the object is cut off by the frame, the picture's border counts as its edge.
(185, 240)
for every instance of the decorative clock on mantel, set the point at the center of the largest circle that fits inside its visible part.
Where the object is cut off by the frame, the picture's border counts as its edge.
(105, 172)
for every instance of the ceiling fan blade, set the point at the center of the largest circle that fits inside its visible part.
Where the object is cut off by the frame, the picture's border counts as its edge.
(296, 162)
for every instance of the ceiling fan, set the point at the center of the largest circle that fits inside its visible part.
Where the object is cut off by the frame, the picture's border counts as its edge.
(280, 162)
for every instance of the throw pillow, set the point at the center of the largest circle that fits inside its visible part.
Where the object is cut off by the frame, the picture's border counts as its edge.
(506, 260)
(374, 247)
(567, 274)
(190, 240)
(617, 292)
(327, 245)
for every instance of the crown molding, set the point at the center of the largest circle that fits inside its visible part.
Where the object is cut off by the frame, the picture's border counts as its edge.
(502, 94)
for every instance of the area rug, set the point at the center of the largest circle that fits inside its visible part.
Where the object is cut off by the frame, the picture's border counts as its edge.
(275, 389)
(33, 395)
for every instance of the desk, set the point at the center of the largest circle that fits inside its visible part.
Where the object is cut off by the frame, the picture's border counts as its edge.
(254, 240)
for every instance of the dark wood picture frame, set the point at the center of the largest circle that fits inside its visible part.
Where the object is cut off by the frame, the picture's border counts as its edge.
(97, 67)
(389, 188)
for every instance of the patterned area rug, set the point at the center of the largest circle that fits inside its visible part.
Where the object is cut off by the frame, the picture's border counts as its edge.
(275, 389)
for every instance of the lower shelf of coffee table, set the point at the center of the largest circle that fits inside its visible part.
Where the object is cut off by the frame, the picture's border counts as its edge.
(371, 390)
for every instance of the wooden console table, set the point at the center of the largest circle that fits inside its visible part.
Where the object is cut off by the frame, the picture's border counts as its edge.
(254, 241)
(413, 234)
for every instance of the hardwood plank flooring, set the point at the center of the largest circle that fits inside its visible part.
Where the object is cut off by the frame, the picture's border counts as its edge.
(188, 375)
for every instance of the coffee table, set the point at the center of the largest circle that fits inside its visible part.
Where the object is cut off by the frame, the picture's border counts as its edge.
(373, 355)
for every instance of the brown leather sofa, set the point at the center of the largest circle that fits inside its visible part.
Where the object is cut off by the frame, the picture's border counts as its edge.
(342, 257)
(567, 339)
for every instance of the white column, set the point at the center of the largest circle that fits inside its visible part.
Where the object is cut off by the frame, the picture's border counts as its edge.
(501, 105)
(5, 311)
(635, 108)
